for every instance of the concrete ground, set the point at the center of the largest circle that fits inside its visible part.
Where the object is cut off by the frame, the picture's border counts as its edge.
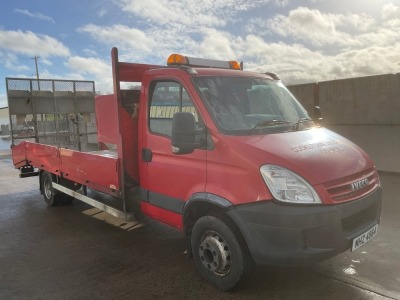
(76, 252)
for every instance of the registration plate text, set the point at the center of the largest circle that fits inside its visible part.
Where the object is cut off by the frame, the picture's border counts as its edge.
(364, 238)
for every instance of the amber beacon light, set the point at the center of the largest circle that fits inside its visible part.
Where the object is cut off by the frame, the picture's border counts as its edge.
(181, 60)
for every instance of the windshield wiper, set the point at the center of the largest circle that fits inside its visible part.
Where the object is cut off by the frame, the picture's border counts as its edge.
(270, 123)
(297, 124)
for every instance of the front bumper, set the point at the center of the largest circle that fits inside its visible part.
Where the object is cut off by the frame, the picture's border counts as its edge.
(300, 235)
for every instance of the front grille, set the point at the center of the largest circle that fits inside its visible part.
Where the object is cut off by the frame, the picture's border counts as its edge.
(341, 190)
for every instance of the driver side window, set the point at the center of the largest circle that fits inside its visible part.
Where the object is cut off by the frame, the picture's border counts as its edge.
(167, 98)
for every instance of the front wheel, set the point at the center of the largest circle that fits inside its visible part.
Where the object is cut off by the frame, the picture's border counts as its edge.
(218, 255)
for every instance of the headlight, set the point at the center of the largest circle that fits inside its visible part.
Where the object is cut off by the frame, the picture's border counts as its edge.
(287, 186)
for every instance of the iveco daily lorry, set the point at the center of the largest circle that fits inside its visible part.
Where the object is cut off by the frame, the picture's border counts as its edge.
(227, 156)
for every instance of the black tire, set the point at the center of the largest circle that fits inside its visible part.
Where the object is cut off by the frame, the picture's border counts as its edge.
(217, 252)
(51, 196)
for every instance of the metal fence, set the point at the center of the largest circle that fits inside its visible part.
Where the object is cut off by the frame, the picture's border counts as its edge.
(52, 112)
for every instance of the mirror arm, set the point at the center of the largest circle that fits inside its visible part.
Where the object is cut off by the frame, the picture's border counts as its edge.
(318, 115)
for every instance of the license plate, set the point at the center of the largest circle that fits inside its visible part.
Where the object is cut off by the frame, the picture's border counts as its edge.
(364, 238)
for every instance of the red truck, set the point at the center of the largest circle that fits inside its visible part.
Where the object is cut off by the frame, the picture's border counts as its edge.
(227, 156)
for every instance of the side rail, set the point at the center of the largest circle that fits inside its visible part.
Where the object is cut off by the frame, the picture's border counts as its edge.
(95, 203)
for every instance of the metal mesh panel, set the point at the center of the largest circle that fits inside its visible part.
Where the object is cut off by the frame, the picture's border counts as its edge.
(22, 129)
(42, 85)
(91, 132)
(16, 84)
(83, 86)
(53, 112)
(63, 86)
(46, 129)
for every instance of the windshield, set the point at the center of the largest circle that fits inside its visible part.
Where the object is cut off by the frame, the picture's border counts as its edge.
(251, 105)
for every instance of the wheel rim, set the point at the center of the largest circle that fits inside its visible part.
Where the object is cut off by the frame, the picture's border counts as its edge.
(215, 254)
(47, 188)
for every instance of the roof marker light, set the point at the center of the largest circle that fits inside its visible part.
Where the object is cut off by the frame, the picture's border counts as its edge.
(235, 65)
(181, 60)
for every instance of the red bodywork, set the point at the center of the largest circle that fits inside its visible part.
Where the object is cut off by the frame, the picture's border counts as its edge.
(42, 156)
(231, 170)
(97, 170)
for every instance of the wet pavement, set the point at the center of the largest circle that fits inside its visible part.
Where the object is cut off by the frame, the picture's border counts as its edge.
(75, 252)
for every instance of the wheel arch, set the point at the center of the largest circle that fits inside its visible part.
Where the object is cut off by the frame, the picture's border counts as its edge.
(202, 204)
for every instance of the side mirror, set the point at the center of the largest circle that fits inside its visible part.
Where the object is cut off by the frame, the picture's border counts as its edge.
(318, 115)
(184, 133)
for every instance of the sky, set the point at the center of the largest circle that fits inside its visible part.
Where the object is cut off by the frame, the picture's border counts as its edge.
(302, 41)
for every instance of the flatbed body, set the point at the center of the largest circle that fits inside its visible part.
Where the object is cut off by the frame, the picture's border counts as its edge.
(96, 169)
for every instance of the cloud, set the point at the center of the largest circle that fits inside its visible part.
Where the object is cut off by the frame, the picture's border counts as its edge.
(219, 45)
(10, 61)
(46, 62)
(47, 74)
(209, 13)
(91, 69)
(35, 15)
(390, 11)
(90, 52)
(130, 38)
(90, 65)
(319, 29)
(29, 43)
(303, 45)
(102, 12)
(182, 12)
(371, 60)
(281, 3)
(296, 63)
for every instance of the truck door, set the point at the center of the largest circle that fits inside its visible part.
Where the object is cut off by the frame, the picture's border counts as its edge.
(168, 180)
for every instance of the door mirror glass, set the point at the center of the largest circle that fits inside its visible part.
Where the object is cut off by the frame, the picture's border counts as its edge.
(184, 133)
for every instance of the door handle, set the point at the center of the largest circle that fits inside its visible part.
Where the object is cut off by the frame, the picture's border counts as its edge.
(147, 155)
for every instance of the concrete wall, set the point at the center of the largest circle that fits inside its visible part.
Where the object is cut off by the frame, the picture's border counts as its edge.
(366, 110)
(306, 94)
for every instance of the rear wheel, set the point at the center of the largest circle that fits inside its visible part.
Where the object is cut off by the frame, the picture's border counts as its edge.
(218, 254)
(49, 194)
(52, 196)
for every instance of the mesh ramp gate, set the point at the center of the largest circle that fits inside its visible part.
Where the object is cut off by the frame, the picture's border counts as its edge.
(52, 112)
